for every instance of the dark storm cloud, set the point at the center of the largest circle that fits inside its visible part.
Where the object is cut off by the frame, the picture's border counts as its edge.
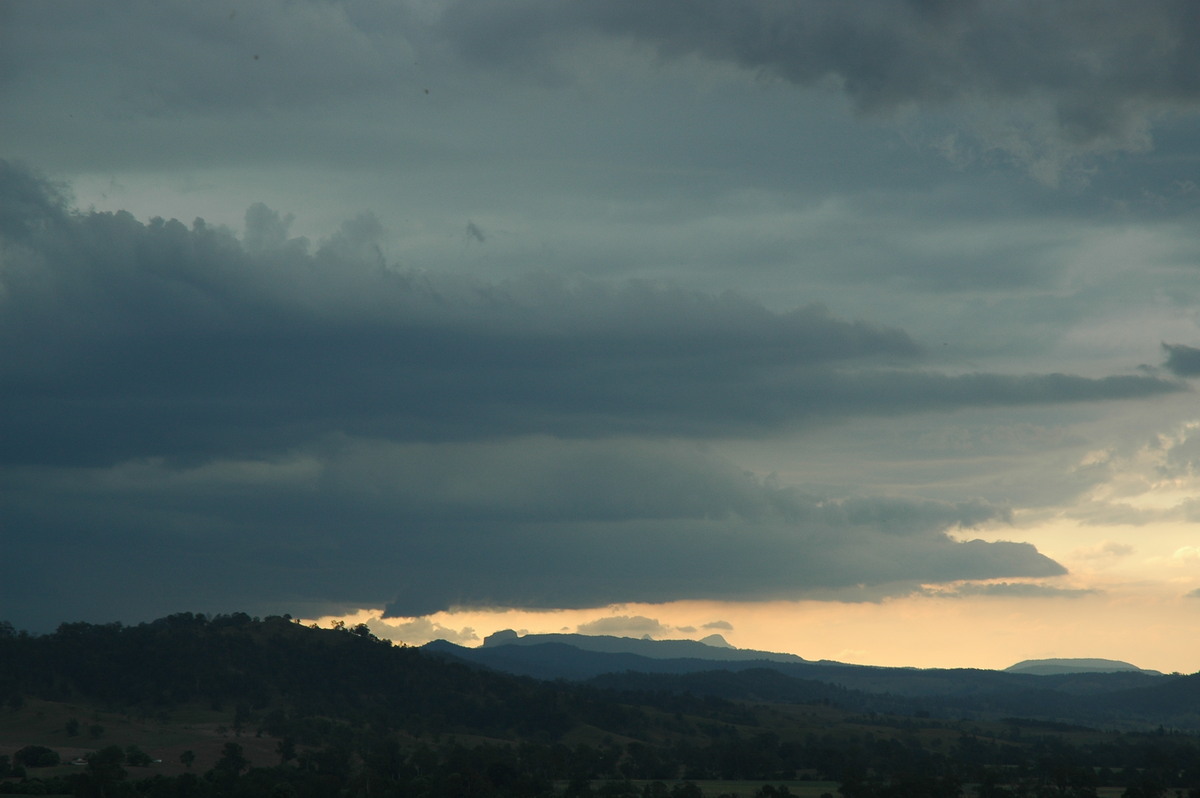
(216, 423)
(130, 339)
(778, 557)
(534, 523)
(1182, 361)
(1100, 69)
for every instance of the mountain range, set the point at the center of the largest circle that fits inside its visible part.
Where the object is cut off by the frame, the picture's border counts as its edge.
(1090, 691)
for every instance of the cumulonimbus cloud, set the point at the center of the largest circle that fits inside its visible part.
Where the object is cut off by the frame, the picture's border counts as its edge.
(131, 339)
(283, 425)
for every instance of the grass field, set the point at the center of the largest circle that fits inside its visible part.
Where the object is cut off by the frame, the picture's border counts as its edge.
(205, 732)
(199, 730)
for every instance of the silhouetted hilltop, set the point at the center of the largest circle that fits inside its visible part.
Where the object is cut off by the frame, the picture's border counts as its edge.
(714, 647)
(565, 656)
(274, 674)
(1118, 697)
(1054, 667)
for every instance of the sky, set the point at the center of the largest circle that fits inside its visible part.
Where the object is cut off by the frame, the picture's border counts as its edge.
(862, 331)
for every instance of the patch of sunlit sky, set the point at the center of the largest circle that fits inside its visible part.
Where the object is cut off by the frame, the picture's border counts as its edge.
(1125, 598)
(1143, 623)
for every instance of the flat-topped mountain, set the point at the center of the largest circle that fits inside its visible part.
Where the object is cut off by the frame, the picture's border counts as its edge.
(713, 647)
(1055, 667)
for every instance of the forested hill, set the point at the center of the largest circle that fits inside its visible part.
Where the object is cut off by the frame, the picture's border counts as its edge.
(274, 670)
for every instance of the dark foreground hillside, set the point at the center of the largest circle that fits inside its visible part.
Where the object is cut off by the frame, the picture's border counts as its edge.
(236, 706)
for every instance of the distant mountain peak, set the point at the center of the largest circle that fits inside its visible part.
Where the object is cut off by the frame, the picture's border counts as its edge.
(503, 637)
(715, 640)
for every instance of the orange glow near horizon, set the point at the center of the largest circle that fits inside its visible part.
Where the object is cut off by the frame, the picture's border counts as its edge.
(1129, 595)
(918, 631)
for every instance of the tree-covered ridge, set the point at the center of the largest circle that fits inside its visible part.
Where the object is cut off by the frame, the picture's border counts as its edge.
(274, 669)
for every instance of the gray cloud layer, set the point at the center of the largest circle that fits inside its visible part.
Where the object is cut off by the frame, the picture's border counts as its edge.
(156, 339)
(535, 523)
(1038, 80)
(212, 422)
(1095, 75)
